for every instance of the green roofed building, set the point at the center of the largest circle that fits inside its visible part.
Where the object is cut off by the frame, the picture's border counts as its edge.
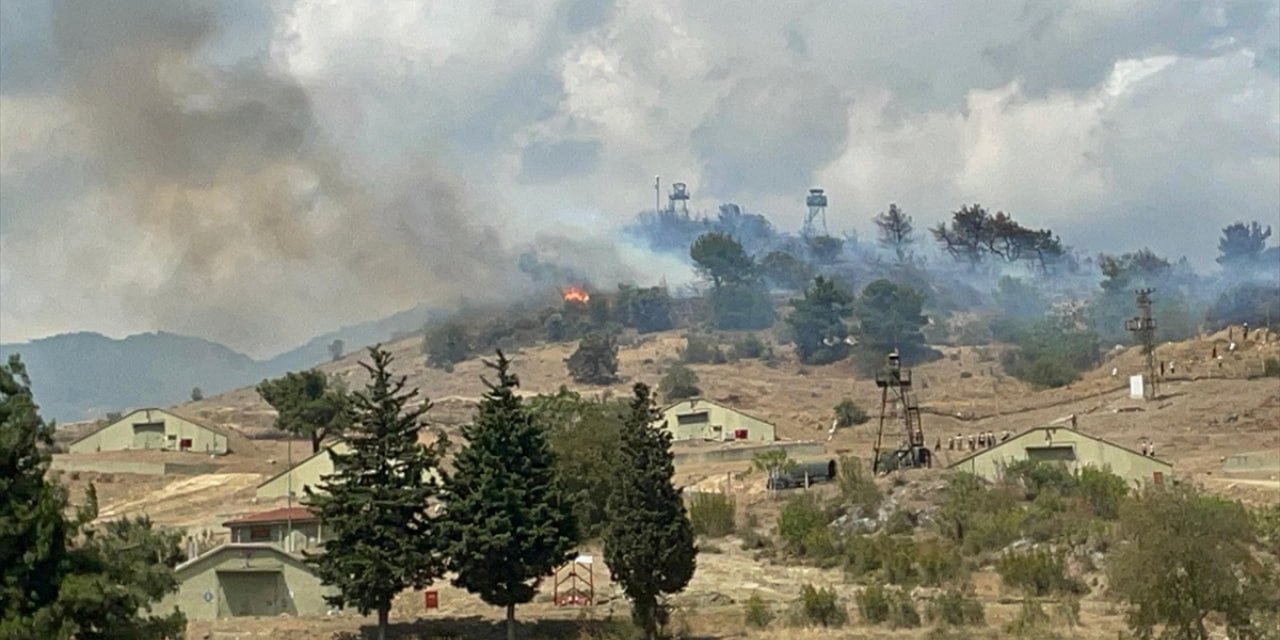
(1068, 447)
(153, 429)
(256, 579)
(701, 419)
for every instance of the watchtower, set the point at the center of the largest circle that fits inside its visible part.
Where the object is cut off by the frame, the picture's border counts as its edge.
(911, 452)
(817, 216)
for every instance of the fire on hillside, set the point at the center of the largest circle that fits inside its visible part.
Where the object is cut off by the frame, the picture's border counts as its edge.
(577, 294)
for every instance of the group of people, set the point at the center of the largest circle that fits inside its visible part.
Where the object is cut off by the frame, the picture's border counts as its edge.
(1148, 448)
(982, 440)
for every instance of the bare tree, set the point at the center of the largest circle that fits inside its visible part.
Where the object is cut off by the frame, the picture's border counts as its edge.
(896, 231)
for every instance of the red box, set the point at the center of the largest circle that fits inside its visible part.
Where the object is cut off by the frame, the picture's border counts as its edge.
(431, 599)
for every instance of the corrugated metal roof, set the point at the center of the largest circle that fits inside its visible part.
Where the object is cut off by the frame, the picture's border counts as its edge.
(283, 514)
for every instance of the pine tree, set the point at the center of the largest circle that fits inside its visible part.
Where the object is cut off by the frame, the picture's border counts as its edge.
(381, 538)
(509, 519)
(648, 542)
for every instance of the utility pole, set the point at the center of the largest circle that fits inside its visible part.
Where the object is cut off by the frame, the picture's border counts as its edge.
(1144, 328)
(657, 194)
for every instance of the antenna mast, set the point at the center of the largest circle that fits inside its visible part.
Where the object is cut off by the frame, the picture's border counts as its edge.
(1144, 328)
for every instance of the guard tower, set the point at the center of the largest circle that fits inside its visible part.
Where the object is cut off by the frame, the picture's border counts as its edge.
(817, 216)
(1144, 328)
(911, 452)
(679, 195)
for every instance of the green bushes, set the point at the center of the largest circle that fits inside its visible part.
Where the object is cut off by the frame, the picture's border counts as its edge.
(857, 486)
(820, 607)
(955, 609)
(1050, 353)
(1038, 572)
(801, 516)
(712, 514)
(679, 382)
(1271, 368)
(878, 605)
(702, 349)
(849, 413)
(902, 561)
(756, 613)
(751, 346)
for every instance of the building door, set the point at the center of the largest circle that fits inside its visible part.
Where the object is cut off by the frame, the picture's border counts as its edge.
(251, 593)
(148, 435)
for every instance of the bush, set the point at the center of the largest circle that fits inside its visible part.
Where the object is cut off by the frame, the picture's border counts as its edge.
(701, 349)
(848, 413)
(939, 562)
(1038, 572)
(595, 361)
(956, 609)
(1271, 368)
(1035, 477)
(678, 383)
(750, 347)
(878, 605)
(800, 515)
(881, 557)
(447, 344)
(857, 487)
(1050, 354)
(712, 514)
(737, 307)
(873, 604)
(821, 607)
(1102, 490)
(756, 613)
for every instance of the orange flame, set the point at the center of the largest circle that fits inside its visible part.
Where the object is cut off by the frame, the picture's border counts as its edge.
(575, 294)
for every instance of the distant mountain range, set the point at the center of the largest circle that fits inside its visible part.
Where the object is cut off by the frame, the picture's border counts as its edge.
(81, 376)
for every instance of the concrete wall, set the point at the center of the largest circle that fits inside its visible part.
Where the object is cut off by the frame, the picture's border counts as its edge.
(1254, 462)
(304, 474)
(296, 538)
(208, 585)
(1084, 451)
(122, 435)
(744, 453)
(74, 463)
(721, 423)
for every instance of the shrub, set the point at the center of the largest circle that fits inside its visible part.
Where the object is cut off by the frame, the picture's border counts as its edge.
(1034, 477)
(1030, 618)
(679, 382)
(595, 361)
(902, 611)
(756, 613)
(701, 349)
(1103, 491)
(821, 607)
(955, 608)
(1038, 572)
(750, 346)
(712, 514)
(800, 515)
(939, 562)
(1271, 368)
(771, 461)
(883, 557)
(873, 604)
(848, 413)
(857, 487)
(900, 522)
(446, 344)
(1051, 354)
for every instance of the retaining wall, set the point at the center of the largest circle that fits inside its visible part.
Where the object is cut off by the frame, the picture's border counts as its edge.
(79, 463)
(794, 450)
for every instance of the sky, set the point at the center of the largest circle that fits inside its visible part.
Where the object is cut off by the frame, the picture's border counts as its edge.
(260, 171)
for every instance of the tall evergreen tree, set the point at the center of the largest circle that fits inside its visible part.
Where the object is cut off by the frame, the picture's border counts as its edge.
(60, 578)
(381, 537)
(648, 542)
(509, 519)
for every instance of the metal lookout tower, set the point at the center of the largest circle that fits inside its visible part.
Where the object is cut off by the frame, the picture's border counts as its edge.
(911, 452)
(817, 216)
(679, 194)
(1144, 328)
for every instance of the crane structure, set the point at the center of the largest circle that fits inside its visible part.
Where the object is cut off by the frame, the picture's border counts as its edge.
(898, 404)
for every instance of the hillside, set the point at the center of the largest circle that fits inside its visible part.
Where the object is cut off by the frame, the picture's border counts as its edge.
(86, 375)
